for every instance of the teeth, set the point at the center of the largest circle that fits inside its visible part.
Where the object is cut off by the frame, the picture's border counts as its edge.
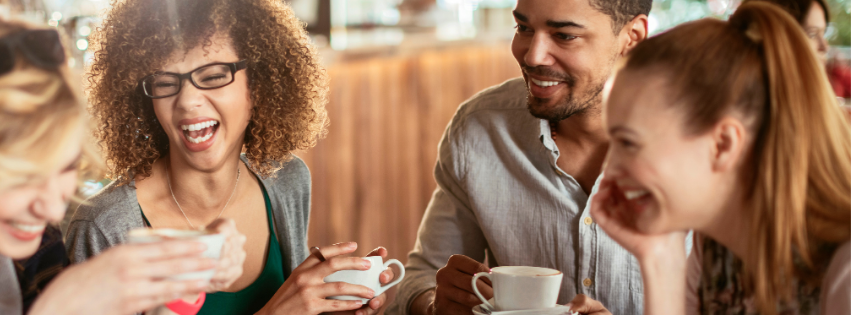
(30, 228)
(544, 83)
(201, 139)
(633, 194)
(199, 126)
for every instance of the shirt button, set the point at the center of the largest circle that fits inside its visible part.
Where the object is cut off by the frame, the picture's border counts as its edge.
(588, 220)
(587, 282)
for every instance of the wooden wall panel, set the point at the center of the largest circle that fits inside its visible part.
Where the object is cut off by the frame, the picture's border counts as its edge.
(372, 175)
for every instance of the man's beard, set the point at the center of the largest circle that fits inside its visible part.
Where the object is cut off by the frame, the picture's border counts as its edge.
(570, 105)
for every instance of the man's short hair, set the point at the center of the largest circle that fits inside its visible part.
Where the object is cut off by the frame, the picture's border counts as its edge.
(622, 11)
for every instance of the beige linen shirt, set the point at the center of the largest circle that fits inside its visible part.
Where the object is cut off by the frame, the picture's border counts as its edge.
(499, 188)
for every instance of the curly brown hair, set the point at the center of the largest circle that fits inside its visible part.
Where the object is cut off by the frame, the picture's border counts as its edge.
(288, 85)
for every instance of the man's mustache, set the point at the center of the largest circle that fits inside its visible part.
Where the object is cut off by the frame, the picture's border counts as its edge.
(550, 73)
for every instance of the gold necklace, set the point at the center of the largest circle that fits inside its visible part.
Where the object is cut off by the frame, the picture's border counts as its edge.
(168, 180)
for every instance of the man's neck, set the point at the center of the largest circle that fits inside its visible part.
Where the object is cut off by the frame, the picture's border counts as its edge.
(584, 129)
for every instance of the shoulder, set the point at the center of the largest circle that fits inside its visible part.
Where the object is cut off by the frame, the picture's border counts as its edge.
(289, 187)
(293, 176)
(111, 211)
(111, 203)
(102, 221)
(507, 98)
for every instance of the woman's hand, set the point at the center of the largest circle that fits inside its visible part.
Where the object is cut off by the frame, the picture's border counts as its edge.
(126, 279)
(305, 290)
(230, 263)
(662, 256)
(380, 302)
(609, 210)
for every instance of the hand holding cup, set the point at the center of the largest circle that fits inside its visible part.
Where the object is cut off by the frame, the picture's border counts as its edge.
(126, 279)
(231, 260)
(304, 292)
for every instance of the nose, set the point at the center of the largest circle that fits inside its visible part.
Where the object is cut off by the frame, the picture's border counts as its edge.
(822, 45)
(53, 201)
(539, 51)
(612, 167)
(190, 97)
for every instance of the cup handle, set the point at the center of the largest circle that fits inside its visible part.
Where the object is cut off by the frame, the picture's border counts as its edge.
(398, 278)
(476, 288)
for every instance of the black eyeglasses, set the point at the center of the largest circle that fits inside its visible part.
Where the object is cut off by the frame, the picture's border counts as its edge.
(207, 77)
(41, 47)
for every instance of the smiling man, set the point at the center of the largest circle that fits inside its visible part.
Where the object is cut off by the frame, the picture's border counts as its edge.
(518, 162)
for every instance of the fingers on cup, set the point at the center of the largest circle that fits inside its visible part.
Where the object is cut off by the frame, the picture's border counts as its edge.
(328, 252)
(583, 304)
(338, 249)
(379, 251)
(466, 264)
(168, 250)
(172, 267)
(338, 306)
(456, 295)
(378, 301)
(387, 276)
(343, 263)
(344, 288)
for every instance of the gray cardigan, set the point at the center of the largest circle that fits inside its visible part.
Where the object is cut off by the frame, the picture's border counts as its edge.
(105, 218)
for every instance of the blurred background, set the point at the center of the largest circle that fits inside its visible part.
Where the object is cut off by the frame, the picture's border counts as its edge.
(398, 69)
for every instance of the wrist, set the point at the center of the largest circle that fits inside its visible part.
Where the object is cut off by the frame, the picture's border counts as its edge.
(423, 303)
(662, 260)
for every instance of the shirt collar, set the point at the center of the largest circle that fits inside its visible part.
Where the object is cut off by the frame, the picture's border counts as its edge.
(546, 135)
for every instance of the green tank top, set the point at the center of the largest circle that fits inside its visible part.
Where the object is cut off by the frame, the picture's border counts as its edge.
(256, 295)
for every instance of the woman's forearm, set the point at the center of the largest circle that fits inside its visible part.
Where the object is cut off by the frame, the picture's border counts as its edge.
(664, 284)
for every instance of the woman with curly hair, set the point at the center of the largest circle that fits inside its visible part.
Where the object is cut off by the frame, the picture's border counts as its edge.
(201, 104)
(44, 152)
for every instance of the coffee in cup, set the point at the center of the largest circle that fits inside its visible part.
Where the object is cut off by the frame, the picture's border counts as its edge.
(521, 287)
(367, 278)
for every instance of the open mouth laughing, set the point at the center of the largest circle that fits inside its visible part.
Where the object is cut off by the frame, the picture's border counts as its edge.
(25, 231)
(200, 132)
(637, 199)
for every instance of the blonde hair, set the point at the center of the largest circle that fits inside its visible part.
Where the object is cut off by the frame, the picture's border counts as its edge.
(40, 110)
(798, 175)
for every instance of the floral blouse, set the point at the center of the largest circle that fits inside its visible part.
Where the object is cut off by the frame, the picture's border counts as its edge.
(721, 289)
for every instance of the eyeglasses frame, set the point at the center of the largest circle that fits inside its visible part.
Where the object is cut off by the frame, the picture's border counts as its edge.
(234, 67)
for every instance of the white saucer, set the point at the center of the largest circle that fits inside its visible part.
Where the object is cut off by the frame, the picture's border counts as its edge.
(481, 309)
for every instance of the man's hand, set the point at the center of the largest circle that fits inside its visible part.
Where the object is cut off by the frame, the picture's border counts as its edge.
(454, 292)
(587, 306)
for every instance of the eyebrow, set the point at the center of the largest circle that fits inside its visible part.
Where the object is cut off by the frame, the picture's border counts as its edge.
(550, 23)
(622, 129)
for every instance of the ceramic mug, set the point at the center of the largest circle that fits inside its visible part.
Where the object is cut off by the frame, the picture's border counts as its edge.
(521, 287)
(214, 242)
(367, 278)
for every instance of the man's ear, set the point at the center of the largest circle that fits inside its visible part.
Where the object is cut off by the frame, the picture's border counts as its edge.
(728, 144)
(634, 32)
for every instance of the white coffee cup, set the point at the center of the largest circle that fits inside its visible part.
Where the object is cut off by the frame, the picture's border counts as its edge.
(367, 278)
(214, 242)
(521, 287)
